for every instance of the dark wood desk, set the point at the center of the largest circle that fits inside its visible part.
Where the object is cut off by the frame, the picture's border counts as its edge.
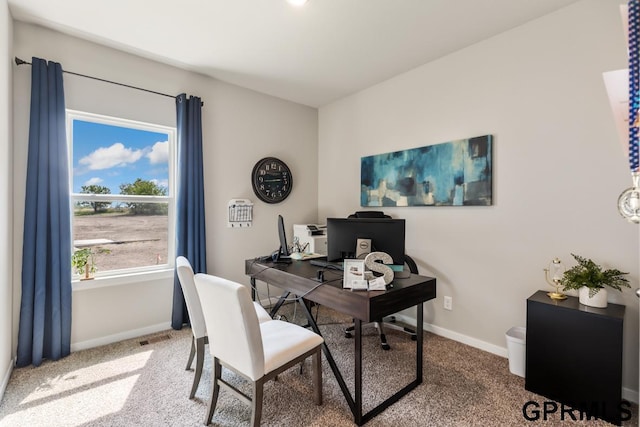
(299, 279)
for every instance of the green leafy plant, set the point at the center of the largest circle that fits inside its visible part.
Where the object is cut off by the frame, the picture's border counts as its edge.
(95, 189)
(588, 273)
(143, 187)
(83, 261)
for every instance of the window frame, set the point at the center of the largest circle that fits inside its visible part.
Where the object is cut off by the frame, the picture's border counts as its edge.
(136, 274)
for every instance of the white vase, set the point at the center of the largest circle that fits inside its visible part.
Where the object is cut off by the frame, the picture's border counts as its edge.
(599, 300)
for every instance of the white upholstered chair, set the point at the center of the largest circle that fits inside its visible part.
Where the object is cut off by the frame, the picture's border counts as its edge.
(256, 351)
(199, 339)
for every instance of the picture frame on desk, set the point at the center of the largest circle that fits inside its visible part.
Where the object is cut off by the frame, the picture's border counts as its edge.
(353, 277)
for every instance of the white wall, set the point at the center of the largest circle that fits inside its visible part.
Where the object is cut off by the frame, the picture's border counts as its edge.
(6, 183)
(239, 127)
(558, 168)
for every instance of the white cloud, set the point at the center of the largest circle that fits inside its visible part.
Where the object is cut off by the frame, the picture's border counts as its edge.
(108, 157)
(161, 182)
(94, 181)
(159, 153)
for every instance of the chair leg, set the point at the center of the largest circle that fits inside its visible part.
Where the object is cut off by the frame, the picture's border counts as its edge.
(215, 391)
(383, 337)
(316, 360)
(348, 332)
(391, 324)
(256, 413)
(200, 343)
(191, 353)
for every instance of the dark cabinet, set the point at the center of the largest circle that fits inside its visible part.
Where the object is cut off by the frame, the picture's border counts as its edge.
(574, 354)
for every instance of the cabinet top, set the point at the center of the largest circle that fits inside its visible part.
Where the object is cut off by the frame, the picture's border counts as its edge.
(573, 303)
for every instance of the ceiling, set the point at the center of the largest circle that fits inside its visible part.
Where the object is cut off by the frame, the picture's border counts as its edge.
(312, 55)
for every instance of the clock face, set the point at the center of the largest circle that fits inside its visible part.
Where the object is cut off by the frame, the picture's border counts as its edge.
(271, 180)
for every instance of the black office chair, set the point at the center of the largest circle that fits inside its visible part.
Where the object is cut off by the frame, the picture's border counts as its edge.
(391, 320)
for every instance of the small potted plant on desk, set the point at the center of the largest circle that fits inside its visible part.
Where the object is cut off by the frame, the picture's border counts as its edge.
(84, 263)
(589, 279)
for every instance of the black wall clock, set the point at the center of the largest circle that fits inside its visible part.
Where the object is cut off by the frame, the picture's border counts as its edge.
(271, 180)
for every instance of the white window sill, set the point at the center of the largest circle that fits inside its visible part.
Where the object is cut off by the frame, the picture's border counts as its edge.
(123, 279)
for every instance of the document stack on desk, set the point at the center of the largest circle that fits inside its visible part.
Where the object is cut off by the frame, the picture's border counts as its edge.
(354, 275)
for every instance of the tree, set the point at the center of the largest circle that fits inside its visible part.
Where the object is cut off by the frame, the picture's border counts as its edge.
(143, 187)
(95, 189)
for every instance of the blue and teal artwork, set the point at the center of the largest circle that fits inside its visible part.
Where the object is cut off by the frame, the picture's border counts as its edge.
(456, 173)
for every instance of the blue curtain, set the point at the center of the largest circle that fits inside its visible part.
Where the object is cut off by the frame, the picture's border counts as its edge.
(45, 308)
(190, 218)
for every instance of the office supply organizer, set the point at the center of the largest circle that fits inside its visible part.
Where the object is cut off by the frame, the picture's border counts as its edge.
(240, 213)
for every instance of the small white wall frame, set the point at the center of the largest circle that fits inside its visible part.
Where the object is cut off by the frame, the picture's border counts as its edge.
(240, 213)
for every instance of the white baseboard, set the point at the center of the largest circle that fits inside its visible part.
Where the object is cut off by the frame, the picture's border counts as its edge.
(82, 345)
(630, 395)
(465, 339)
(627, 393)
(96, 342)
(455, 336)
(6, 377)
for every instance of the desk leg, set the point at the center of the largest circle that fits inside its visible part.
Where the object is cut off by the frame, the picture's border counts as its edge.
(402, 392)
(357, 413)
(275, 308)
(355, 404)
(331, 360)
(253, 288)
(281, 301)
(419, 332)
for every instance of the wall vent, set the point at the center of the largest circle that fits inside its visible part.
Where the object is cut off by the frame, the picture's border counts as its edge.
(155, 339)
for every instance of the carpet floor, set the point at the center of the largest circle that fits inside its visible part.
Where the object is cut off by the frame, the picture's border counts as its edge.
(143, 382)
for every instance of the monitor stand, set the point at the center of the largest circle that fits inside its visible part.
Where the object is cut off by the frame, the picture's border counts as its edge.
(278, 258)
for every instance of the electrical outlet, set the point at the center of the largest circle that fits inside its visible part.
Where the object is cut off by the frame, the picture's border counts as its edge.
(448, 303)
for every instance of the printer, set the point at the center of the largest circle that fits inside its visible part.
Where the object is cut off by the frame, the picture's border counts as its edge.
(311, 237)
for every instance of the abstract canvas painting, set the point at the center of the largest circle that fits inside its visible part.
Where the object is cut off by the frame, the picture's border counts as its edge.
(456, 173)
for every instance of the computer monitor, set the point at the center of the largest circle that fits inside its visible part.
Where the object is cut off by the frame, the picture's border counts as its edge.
(283, 251)
(386, 234)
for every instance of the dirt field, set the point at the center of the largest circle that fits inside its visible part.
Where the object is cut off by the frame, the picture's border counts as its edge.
(139, 240)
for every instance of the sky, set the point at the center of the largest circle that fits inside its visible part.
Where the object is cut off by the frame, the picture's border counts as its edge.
(110, 155)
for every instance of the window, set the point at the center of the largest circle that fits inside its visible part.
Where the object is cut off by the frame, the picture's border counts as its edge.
(122, 193)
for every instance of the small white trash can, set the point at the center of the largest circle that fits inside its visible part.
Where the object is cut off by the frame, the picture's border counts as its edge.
(516, 337)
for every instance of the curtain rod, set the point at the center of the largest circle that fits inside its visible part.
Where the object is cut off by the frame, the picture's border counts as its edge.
(23, 62)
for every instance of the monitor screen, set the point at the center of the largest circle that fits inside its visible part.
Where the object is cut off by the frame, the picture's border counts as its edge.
(284, 249)
(386, 234)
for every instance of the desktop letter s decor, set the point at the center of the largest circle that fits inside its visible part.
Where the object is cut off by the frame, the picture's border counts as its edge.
(371, 264)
